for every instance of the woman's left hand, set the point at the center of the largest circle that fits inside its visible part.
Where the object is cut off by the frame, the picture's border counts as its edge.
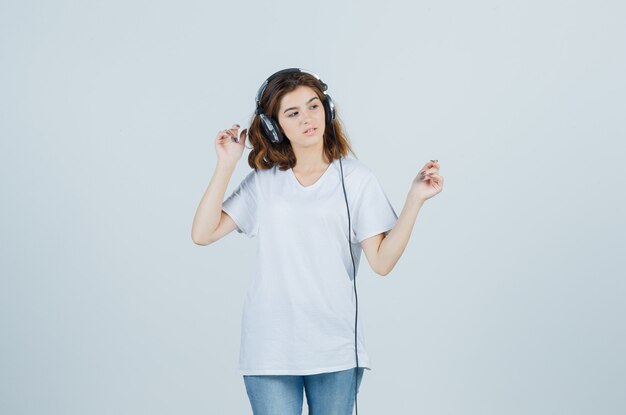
(428, 182)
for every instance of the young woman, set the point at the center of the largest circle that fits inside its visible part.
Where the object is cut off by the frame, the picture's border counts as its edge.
(313, 211)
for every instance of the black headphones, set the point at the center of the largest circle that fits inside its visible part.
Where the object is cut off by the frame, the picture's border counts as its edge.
(270, 126)
(271, 129)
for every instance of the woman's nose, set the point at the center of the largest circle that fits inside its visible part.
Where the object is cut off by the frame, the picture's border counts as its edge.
(306, 117)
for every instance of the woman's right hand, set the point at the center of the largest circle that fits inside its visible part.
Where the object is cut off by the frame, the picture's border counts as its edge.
(227, 149)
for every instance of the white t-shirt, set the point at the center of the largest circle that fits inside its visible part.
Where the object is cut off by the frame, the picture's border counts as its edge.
(299, 310)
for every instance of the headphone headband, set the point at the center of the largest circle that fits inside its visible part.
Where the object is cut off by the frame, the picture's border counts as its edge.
(259, 94)
(270, 126)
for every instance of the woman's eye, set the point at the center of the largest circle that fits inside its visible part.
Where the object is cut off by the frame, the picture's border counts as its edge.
(293, 114)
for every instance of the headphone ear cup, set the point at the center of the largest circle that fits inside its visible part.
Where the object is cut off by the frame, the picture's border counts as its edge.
(329, 108)
(270, 129)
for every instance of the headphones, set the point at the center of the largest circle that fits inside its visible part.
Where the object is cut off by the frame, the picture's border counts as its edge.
(270, 126)
(271, 129)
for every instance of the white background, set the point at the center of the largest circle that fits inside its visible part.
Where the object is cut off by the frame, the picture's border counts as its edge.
(509, 298)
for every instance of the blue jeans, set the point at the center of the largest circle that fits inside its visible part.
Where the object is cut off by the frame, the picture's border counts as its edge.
(326, 393)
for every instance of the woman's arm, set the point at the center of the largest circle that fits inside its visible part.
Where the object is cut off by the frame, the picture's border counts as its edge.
(383, 252)
(209, 211)
(229, 145)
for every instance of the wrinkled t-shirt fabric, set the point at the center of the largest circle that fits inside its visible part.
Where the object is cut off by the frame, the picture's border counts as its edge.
(299, 310)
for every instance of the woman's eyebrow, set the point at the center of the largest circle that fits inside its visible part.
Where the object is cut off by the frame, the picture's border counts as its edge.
(295, 108)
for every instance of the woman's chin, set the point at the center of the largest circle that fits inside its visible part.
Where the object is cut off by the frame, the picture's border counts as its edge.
(308, 141)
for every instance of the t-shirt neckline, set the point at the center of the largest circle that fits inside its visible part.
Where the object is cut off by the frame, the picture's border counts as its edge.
(317, 182)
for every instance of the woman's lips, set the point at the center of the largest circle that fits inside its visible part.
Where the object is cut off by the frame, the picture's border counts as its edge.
(310, 131)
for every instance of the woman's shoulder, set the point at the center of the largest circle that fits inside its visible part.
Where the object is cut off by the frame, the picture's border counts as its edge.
(354, 167)
(264, 173)
(258, 176)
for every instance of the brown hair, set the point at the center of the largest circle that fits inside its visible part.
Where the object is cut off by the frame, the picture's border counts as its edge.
(265, 154)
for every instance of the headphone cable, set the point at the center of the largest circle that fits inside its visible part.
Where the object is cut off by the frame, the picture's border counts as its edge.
(356, 354)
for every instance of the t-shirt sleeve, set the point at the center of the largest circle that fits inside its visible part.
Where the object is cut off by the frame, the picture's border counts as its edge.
(242, 204)
(373, 213)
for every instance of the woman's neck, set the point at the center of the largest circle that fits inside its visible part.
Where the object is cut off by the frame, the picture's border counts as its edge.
(310, 162)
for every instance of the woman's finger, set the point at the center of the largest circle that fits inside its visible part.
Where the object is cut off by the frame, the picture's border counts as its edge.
(433, 176)
(429, 171)
(243, 135)
(430, 165)
(225, 135)
(437, 179)
(233, 130)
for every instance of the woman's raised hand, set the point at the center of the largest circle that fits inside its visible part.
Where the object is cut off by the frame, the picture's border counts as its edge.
(428, 182)
(229, 144)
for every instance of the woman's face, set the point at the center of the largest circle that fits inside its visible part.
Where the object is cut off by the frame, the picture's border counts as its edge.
(300, 111)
